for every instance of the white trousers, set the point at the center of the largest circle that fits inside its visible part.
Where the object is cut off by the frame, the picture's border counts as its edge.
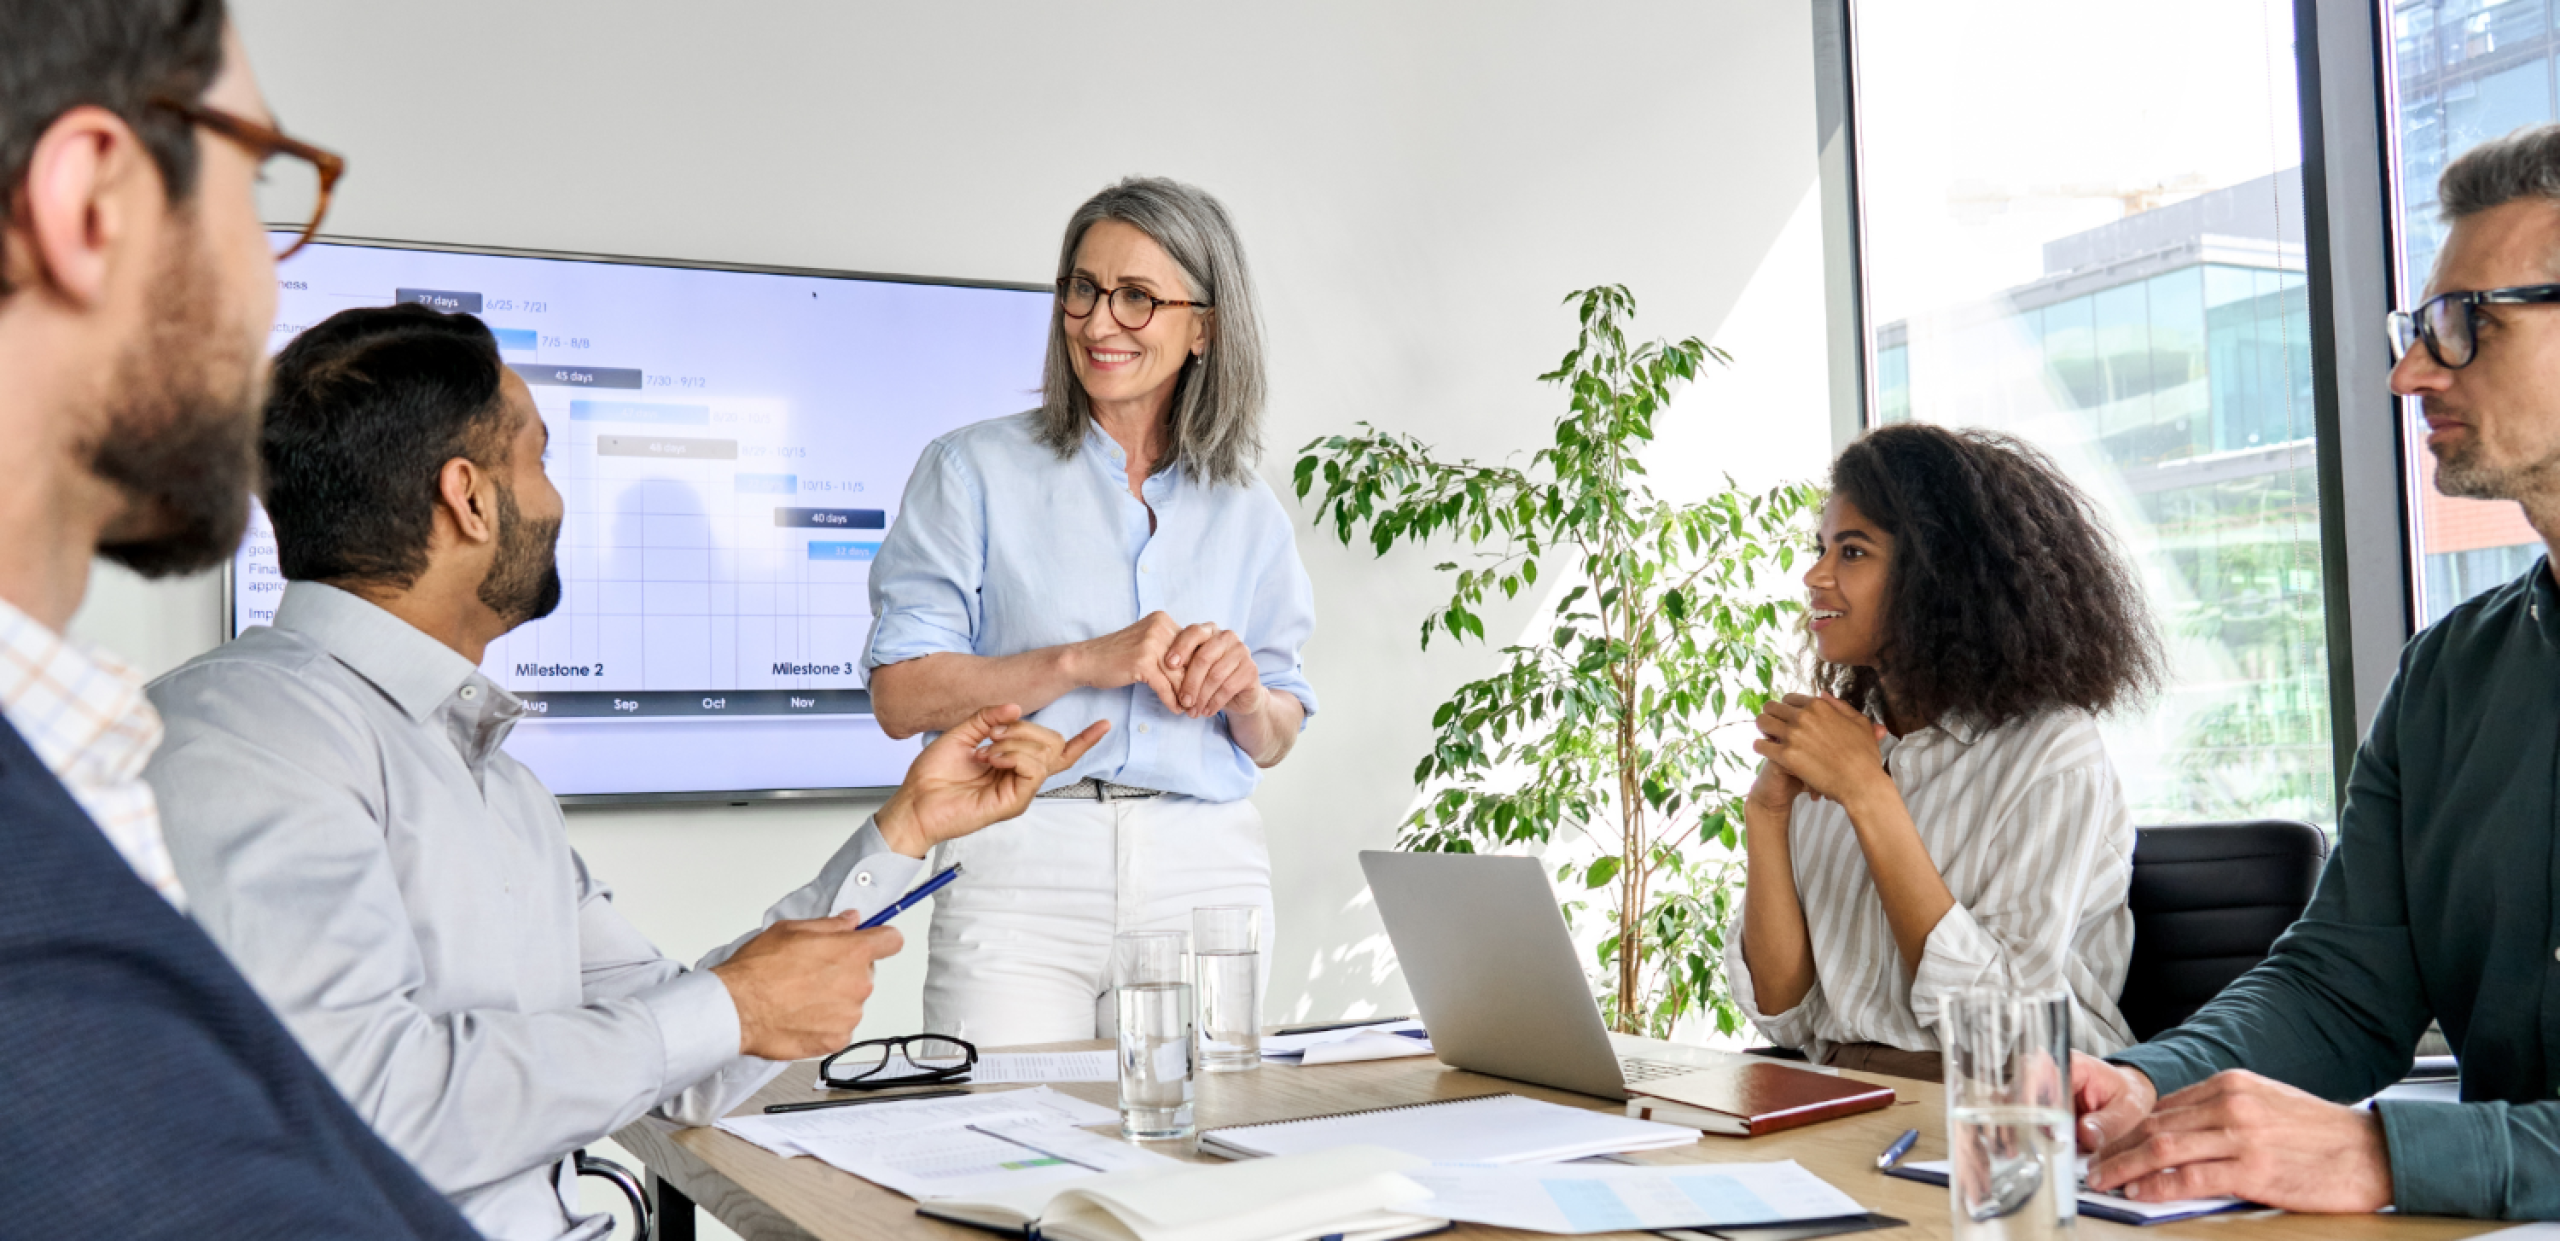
(1020, 949)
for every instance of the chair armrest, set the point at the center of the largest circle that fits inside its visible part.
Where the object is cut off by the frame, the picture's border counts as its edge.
(632, 1190)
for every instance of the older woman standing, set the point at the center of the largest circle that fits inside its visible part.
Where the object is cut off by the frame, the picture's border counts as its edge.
(1108, 556)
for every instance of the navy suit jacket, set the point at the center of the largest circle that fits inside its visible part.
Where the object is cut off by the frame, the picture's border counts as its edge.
(145, 1090)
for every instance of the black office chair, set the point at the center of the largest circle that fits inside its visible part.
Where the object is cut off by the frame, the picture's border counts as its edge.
(2208, 900)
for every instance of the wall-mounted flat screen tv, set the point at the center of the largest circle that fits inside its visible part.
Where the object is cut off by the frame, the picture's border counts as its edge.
(731, 444)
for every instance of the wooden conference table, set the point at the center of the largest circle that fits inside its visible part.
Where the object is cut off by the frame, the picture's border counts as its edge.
(768, 1198)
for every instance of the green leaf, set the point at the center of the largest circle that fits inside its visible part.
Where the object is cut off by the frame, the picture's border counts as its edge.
(1602, 872)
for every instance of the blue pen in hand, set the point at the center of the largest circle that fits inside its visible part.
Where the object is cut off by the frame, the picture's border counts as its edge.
(923, 890)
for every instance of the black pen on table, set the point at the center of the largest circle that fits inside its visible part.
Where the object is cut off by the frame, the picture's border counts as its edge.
(815, 1104)
(1339, 1025)
(1893, 1154)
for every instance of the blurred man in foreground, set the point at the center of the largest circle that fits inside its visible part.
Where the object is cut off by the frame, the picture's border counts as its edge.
(149, 1094)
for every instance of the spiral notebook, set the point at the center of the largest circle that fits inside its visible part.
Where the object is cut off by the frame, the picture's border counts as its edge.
(1494, 1128)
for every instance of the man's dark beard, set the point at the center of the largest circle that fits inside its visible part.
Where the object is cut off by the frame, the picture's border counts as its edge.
(181, 436)
(523, 582)
(2462, 471)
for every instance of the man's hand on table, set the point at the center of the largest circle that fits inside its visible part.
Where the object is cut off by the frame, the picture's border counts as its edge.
(2235, 1134)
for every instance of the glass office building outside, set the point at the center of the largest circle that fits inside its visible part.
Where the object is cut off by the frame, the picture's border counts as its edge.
(2102, 254)
(2172, 347)
(2461, 71)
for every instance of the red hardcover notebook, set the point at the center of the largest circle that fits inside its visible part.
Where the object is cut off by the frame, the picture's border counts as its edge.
(1748, 1100)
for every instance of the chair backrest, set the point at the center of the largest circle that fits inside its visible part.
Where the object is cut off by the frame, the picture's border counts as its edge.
(2208, 900)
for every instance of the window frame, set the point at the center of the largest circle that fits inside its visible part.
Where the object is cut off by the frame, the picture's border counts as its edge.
(2368, 557)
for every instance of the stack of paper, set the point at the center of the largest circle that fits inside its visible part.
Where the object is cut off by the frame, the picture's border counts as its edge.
(1585, 1198)
(933, 1148)
(1390, 1041)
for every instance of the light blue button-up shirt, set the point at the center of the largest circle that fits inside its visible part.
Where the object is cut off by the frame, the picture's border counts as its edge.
(1001, 547)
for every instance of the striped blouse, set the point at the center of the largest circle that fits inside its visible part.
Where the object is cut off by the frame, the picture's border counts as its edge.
(2028, 826)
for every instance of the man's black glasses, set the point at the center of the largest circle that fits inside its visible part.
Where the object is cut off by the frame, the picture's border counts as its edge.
(916, 1059)
(2445, 322)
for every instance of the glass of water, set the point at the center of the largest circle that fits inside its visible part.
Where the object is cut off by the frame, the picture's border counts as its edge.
(1152, 981)
(2015, 1173)
(1226, 954)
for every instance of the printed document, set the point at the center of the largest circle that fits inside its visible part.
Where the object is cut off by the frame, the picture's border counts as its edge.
(968, 1147)
(1576, 1199)
(982, 1159)
(788, 1134)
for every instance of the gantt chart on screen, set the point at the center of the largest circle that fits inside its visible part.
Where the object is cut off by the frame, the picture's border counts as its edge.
(730, 447)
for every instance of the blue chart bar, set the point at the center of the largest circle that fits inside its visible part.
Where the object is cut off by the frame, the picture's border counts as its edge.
(769, 484)
(515, 339)
(640, 411)
(824, 550)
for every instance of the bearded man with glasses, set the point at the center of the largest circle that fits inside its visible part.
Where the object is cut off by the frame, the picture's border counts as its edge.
(2442, 900)
(150, 1093)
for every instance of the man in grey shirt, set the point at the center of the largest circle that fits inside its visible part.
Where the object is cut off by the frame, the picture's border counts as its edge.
(400, 889)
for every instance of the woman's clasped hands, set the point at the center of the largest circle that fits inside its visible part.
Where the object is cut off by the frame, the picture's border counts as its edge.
(1197, 671)
(1821, 746)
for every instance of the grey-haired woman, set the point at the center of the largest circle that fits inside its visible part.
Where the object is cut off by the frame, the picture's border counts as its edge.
(1109, 556)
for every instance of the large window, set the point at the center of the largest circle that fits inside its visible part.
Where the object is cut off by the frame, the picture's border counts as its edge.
(2461, 71)
(2082, 224)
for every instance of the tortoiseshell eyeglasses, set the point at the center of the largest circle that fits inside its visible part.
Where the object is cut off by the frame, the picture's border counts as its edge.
(295, 178)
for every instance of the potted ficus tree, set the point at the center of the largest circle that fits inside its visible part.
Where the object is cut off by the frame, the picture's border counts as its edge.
(1606, 738)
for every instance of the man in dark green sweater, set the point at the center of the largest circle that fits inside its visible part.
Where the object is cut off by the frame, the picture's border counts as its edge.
(2442, 901)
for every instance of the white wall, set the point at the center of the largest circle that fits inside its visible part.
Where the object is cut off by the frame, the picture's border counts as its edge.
(1418, 184)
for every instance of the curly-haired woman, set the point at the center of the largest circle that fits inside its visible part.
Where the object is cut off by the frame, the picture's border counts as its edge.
(1944, 814)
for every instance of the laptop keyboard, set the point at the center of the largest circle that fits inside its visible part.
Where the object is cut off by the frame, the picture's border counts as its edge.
(1649, 1070)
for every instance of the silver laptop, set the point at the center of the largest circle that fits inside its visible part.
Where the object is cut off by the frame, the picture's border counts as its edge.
(1496, 977)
